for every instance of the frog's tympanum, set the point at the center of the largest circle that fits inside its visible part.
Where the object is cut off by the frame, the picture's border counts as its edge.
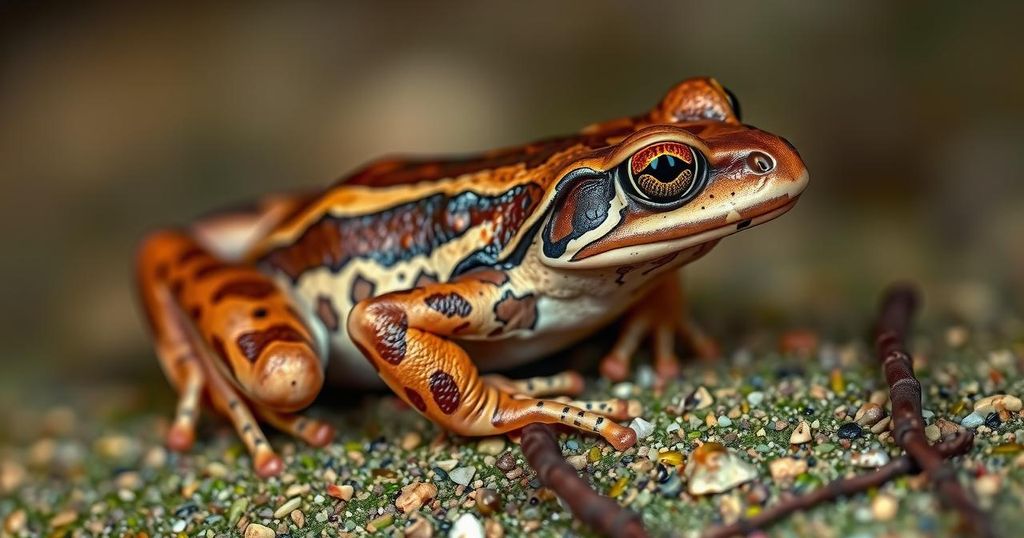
(419, 272)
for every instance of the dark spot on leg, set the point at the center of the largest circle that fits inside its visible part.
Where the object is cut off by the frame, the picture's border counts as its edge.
(415, 399)
(252, 343)
(190, 254)
(246, 288)
(327, 313)
(391, 325)
(195, 313)
(450, 304)
(259, 312)
(208, 269)
(445, 392)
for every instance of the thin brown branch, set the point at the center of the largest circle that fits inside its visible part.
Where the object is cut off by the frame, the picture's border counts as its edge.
(600, 513)
(843, 487)
(898, 307)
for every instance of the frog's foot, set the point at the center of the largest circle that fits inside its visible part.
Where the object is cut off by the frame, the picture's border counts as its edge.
(314, 432)
(563, 385)
(659, 316)
(614, 408)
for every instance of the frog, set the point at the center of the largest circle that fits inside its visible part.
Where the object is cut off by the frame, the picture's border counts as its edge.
(419, 273)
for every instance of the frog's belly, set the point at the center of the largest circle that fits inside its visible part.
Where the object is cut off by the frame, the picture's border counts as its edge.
(561, 324)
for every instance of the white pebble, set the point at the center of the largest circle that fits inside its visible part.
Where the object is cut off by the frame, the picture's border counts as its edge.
(462, 475)
(972, 421)
(755, 398)
(467, 526)
(178, 526)
(641, 427)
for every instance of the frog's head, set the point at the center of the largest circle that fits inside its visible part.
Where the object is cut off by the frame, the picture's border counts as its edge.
(686, 174)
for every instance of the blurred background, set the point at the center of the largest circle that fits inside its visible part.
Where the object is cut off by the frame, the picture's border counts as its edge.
(116, 119)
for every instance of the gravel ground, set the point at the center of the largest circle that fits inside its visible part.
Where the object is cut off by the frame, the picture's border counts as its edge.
(726, 440)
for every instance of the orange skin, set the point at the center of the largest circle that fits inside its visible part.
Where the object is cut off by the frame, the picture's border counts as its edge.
(417, 272)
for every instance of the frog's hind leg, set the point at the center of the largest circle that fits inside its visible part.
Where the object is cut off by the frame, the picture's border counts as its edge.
(406, 336)
(224, 329)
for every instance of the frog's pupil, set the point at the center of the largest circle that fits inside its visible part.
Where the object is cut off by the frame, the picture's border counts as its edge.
(665, 168)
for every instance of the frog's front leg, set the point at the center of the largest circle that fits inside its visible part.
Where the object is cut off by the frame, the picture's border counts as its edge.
(225, 330)
(408, 337)
(660, 315)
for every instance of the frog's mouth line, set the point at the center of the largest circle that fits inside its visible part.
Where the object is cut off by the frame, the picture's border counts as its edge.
(641, 253)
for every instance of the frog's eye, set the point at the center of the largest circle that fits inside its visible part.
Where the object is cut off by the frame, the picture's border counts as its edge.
(666, 173)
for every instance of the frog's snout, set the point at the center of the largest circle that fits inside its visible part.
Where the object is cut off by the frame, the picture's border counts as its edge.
(290, 377)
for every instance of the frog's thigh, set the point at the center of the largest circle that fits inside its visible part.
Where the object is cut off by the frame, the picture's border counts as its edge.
(405, 336)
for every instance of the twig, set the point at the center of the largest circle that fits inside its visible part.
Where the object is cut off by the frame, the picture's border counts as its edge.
(838, 488)
(898, 307)
(601, 513)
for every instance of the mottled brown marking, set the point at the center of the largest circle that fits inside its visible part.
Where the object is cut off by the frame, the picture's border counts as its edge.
(162, 271)
(195, 313)
(493, 276)
(210, 268)
(250, 288)
(450, 304)
(399, 172)
(252, 343)
(362, 288)
(445, 391)
(191, 253)
(415, 399)
(327, 313)
(423, 225)
(516, 312)
(391, 325)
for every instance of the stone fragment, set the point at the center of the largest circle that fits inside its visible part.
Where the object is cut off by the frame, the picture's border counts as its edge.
(801, 434)
(884, 507)
(414, 496)
(868, 414)
(642, 428)
(869, 458)
(784, 470)
(255, 530)
(462, 475)
(997, 402)
(467, 526)
(713, 469)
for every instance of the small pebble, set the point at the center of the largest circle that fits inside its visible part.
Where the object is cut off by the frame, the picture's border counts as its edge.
(343, 492)
(868, 414)
(418, 527)
(883, 507)
(642, 428)
(881, 425)
(998, 402)
(724, 421)
(414, 496)
(467, 526)
(755, 398)
(411, 440)
(700, 399)
(506, 462)
(972, 420)
(287, 507)
(255, 530)
(491, 445)
(869, 458)
(178, 526)
(488, 501)
(992, 420)
(785, 469)
(801, 434)
(932, 432)
(850, 430)
(462, 475)
(298, 518)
